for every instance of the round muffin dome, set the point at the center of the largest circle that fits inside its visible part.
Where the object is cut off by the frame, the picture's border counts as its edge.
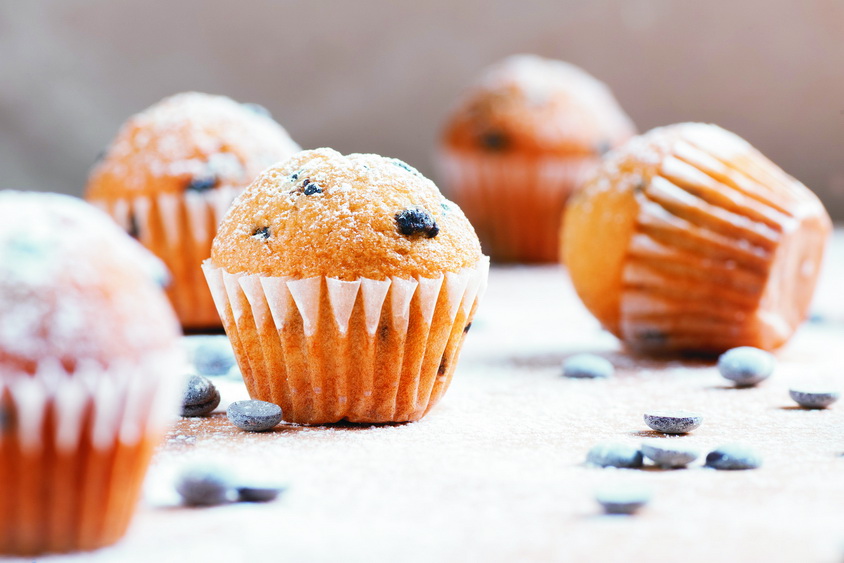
(324, 214)
(189, 141)
(690, 240)
(74, 288)
(530, 104)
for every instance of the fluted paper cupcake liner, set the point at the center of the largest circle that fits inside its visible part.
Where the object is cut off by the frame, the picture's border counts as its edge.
(367, 350)
(715, 260)
(74, 450)
(179, 229)
(515, 203)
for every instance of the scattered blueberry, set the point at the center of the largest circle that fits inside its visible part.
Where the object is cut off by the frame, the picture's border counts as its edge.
(588, 366)
(673, 422)
(206, 486)
(814, 399)
(494, 140)
(618, 499)
(254, 416)
(212, 355)
(415, 221)
(202, 183)
(259, 492)
(311, 188)
(466, 328)
(733, 456)
(667, 454)
(746, 366)
(200, 398)
(133, 229)
(257, 108)
(613, 454)
(261, 233)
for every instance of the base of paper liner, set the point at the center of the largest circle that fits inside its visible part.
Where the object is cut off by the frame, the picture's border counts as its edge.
(74, 451)
(367, 351)
(515, 203)
(179, 229)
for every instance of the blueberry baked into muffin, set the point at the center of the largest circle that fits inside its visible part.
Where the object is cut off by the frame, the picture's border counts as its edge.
(346, 285)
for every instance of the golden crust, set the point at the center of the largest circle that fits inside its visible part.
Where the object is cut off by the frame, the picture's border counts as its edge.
(186, 136)
(533, 106)
(348, 229)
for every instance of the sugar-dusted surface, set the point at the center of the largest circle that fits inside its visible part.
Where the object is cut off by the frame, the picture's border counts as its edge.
(495, 472)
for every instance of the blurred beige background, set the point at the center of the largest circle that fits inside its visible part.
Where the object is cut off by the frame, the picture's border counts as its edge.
(376, 75)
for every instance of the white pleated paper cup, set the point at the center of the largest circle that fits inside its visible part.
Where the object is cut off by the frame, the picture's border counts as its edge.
(178, 228)
(74, 449)
(514, 202)
(367, 351)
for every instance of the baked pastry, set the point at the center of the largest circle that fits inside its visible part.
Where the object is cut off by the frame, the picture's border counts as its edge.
(171, 173)
(689, 240)
(519, 143)
(346, 285)
(89, 373)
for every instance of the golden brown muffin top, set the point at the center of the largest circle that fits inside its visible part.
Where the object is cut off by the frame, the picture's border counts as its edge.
(527, 104)
(190, 141)
(320, 213)
(76, 289)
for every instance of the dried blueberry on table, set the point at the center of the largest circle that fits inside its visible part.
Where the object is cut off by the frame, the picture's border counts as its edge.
(254, 416)
(746, 366)
(814, 398)
(262, 233)
(673, 422)
(494, 140)
(257, 108)
(733, 456)
(211, 354)
(200, 397)
(667, 454)
(587, 366)
(416, 221)
(259, 492)
(202, 183)
(612, 454)
(622, 499)
(206, 486)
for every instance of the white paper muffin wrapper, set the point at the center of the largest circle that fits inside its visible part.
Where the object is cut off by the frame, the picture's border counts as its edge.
(126, 402)
(515, 203)
(271, 319)
(179, 229)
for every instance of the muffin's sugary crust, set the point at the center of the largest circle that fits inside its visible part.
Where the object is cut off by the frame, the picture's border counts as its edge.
(324, 214)
(530, 105)
(185, 137)
(74, 288)
(688, 239)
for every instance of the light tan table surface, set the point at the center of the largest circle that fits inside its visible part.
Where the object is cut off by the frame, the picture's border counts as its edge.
(495, 472)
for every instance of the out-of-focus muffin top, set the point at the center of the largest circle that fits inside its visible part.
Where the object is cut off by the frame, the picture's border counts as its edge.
(320, 213)
(189, 141)
(527, 104)
(74, 288)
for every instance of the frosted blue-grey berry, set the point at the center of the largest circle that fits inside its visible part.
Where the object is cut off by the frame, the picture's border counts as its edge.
(254, 416)
(587, 366)
(212, 355)
(669, 454)
(259, 492)
(733, 456)
(746, 366)
(814, 398)
(206, 486)
(200, 396)
(613, 454)
(673, 422)
(622, 499)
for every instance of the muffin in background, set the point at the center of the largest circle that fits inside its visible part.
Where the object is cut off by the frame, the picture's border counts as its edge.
(90, 369)
(346, 285)
(171, 173)
(690, 240)
(519, 143)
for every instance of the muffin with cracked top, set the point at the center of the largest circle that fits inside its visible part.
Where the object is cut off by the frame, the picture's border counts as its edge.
(346, 284)
(171, 173)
